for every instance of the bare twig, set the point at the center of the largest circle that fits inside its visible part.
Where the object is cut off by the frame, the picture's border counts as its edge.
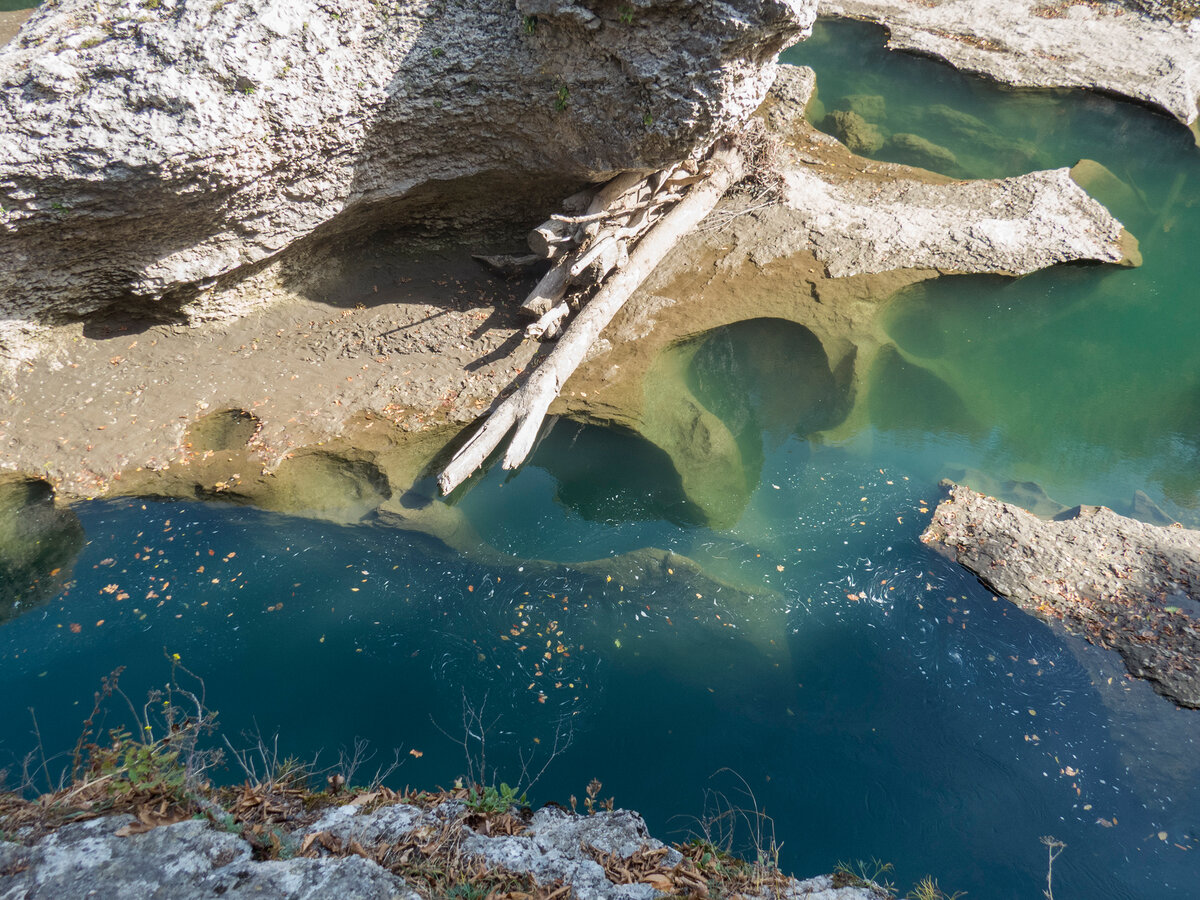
(562, 740)
(474, 729)
(1054, 849)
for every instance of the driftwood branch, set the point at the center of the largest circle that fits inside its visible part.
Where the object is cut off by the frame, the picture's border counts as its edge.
(549, 324)
(551, 289)
(527, 406)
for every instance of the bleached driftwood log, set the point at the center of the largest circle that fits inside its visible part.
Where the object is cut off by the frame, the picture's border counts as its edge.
(592, 236)
(551, 289)
(527, 406)
(549, 324)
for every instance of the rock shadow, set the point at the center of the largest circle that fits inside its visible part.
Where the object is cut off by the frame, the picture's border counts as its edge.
(39, 543)
(736, 392)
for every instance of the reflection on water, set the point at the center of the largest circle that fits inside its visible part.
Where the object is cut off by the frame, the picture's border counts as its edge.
(789, 623)
(38, 543)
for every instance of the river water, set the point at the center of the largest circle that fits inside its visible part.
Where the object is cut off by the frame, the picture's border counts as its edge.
(814, 659)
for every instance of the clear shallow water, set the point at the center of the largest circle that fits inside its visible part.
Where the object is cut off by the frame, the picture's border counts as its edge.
(878, 701)
(1083, 379)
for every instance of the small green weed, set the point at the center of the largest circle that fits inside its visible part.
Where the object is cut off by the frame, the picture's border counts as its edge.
(860, 874)
(564, 98)
(131, 766)
(529, 23)
(626, 15)
(488, 799)
(468, 891)
(927, 889)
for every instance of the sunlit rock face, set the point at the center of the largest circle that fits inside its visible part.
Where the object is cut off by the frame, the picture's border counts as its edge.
(149, 150)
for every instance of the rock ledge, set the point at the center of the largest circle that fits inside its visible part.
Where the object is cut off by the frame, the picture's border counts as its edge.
(1121, 583)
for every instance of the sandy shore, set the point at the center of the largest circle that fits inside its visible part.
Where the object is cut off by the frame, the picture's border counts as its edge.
(11, 22)
(413, 340)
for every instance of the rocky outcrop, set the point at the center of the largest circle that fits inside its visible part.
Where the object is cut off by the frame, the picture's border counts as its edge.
(1032, 43)
(863, 217)
(845, 234)
(1011, 226)
(194, 861)
(1119, 582)
(317, 405)
(151, 155)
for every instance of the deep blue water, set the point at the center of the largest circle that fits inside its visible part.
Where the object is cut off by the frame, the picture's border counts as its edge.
(874, 697)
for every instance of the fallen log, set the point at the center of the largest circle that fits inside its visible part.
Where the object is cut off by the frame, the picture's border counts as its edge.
(527, 406)
(551, 238)
(603, 251)
(549, 324)
(551, 289)
(627, 204)
(605, 223)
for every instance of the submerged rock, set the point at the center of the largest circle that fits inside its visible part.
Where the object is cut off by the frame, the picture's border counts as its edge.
(1123, 584)
(859, 135)
(918, 151)
(869, 106)
(1029, 43)
(151, 155)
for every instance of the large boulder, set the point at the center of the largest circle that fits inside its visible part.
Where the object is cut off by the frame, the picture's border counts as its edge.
(151, 152)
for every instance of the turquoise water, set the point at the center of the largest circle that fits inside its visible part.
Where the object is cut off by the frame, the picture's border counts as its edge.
(876, 699)
(1084, 379)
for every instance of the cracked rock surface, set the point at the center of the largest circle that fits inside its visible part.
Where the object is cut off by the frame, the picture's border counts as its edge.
(194, 861)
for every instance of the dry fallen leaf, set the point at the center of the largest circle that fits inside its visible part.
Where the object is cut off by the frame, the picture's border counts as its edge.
(659, 882)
